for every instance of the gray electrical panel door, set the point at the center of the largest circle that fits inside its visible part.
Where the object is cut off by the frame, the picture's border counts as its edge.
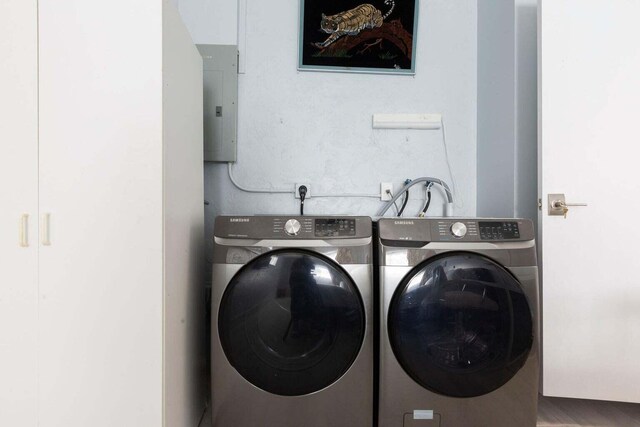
(220, 101)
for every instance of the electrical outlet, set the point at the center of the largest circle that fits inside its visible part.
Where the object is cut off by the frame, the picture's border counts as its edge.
(297, 192)
(386, 191)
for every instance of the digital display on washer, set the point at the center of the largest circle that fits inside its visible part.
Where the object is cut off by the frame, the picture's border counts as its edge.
(335, 227)
(499, 230)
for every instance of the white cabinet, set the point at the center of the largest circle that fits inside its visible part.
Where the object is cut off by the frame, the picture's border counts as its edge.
(18, 211)
(102, 316)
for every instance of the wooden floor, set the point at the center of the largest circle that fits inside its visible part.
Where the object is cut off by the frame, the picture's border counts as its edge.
(557, 412)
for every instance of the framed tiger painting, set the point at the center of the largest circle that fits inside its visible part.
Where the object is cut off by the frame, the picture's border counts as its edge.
(356, 36)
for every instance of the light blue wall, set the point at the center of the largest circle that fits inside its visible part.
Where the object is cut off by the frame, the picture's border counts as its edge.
(526, 171)
(496, 108)
(507, 108)
(316, 127)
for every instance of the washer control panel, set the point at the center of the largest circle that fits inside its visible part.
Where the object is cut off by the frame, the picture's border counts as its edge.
(499, 230)
(418, 232)
(484, 230)
(335, 227)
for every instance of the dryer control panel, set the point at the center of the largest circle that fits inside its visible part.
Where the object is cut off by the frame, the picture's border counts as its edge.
(293, 227)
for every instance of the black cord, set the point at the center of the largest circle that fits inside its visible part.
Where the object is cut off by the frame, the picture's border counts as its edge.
(302, 190)
(406, 198)
(404, 203)
(426, 206)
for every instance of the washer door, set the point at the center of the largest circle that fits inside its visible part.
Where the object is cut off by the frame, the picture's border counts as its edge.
(291, 322)
(460, 325)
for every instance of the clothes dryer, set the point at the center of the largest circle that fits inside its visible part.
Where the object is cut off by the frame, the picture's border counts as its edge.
(459, 323)
(292, 319)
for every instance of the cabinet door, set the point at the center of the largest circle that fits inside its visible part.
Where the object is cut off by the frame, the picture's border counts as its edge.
(101, 277)
(18, 212)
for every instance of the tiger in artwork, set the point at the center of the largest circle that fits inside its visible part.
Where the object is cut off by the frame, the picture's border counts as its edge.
(352, 21)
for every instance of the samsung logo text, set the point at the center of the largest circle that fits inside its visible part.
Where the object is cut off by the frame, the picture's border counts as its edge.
(239, 220)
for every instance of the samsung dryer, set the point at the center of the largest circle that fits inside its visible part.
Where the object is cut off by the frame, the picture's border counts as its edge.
(459, 323)
(292, 338)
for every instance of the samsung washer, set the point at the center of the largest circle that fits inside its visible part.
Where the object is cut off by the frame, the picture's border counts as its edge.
(459, 323)
(292, 338)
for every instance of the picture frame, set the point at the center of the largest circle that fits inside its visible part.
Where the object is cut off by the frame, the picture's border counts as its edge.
(354, 36)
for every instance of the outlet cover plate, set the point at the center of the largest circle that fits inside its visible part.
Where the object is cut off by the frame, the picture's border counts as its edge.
(297, 194)
(384, 186)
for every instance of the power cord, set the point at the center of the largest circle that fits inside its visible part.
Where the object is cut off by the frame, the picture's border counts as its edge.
(390, 194)
(428, 186)
(302, 191)
(405, 200)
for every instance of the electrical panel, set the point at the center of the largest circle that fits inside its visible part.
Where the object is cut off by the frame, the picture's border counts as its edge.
(220, 101)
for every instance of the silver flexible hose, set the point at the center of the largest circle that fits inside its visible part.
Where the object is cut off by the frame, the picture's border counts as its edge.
(440, 182)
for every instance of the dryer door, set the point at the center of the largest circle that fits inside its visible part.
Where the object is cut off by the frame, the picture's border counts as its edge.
(460, 325)
(291, 322)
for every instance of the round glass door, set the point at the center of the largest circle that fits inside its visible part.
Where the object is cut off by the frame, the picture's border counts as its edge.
(291, 322)
(460, 325)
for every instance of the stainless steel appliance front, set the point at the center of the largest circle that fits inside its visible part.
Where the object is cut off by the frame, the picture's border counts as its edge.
(459, 323)
(292, 322)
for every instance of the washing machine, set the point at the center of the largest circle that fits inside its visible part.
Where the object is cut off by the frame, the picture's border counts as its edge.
(292, 321)
(459, 323)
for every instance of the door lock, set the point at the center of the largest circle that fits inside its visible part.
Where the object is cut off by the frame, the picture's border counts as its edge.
(558, 205)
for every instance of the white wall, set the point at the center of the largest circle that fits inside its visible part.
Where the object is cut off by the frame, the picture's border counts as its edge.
(186, 349)
(316, 127)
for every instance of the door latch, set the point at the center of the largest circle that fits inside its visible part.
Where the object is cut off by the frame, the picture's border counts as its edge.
(558, 206)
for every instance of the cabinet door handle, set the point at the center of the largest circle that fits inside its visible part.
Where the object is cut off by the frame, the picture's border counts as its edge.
(24, 230)
(45, 237)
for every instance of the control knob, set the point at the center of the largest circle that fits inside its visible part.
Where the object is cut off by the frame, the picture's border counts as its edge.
(458, 229)
(292, 227)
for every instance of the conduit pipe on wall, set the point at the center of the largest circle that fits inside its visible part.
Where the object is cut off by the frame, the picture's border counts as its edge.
(385, 208)
(282, 191)
(255, 190)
